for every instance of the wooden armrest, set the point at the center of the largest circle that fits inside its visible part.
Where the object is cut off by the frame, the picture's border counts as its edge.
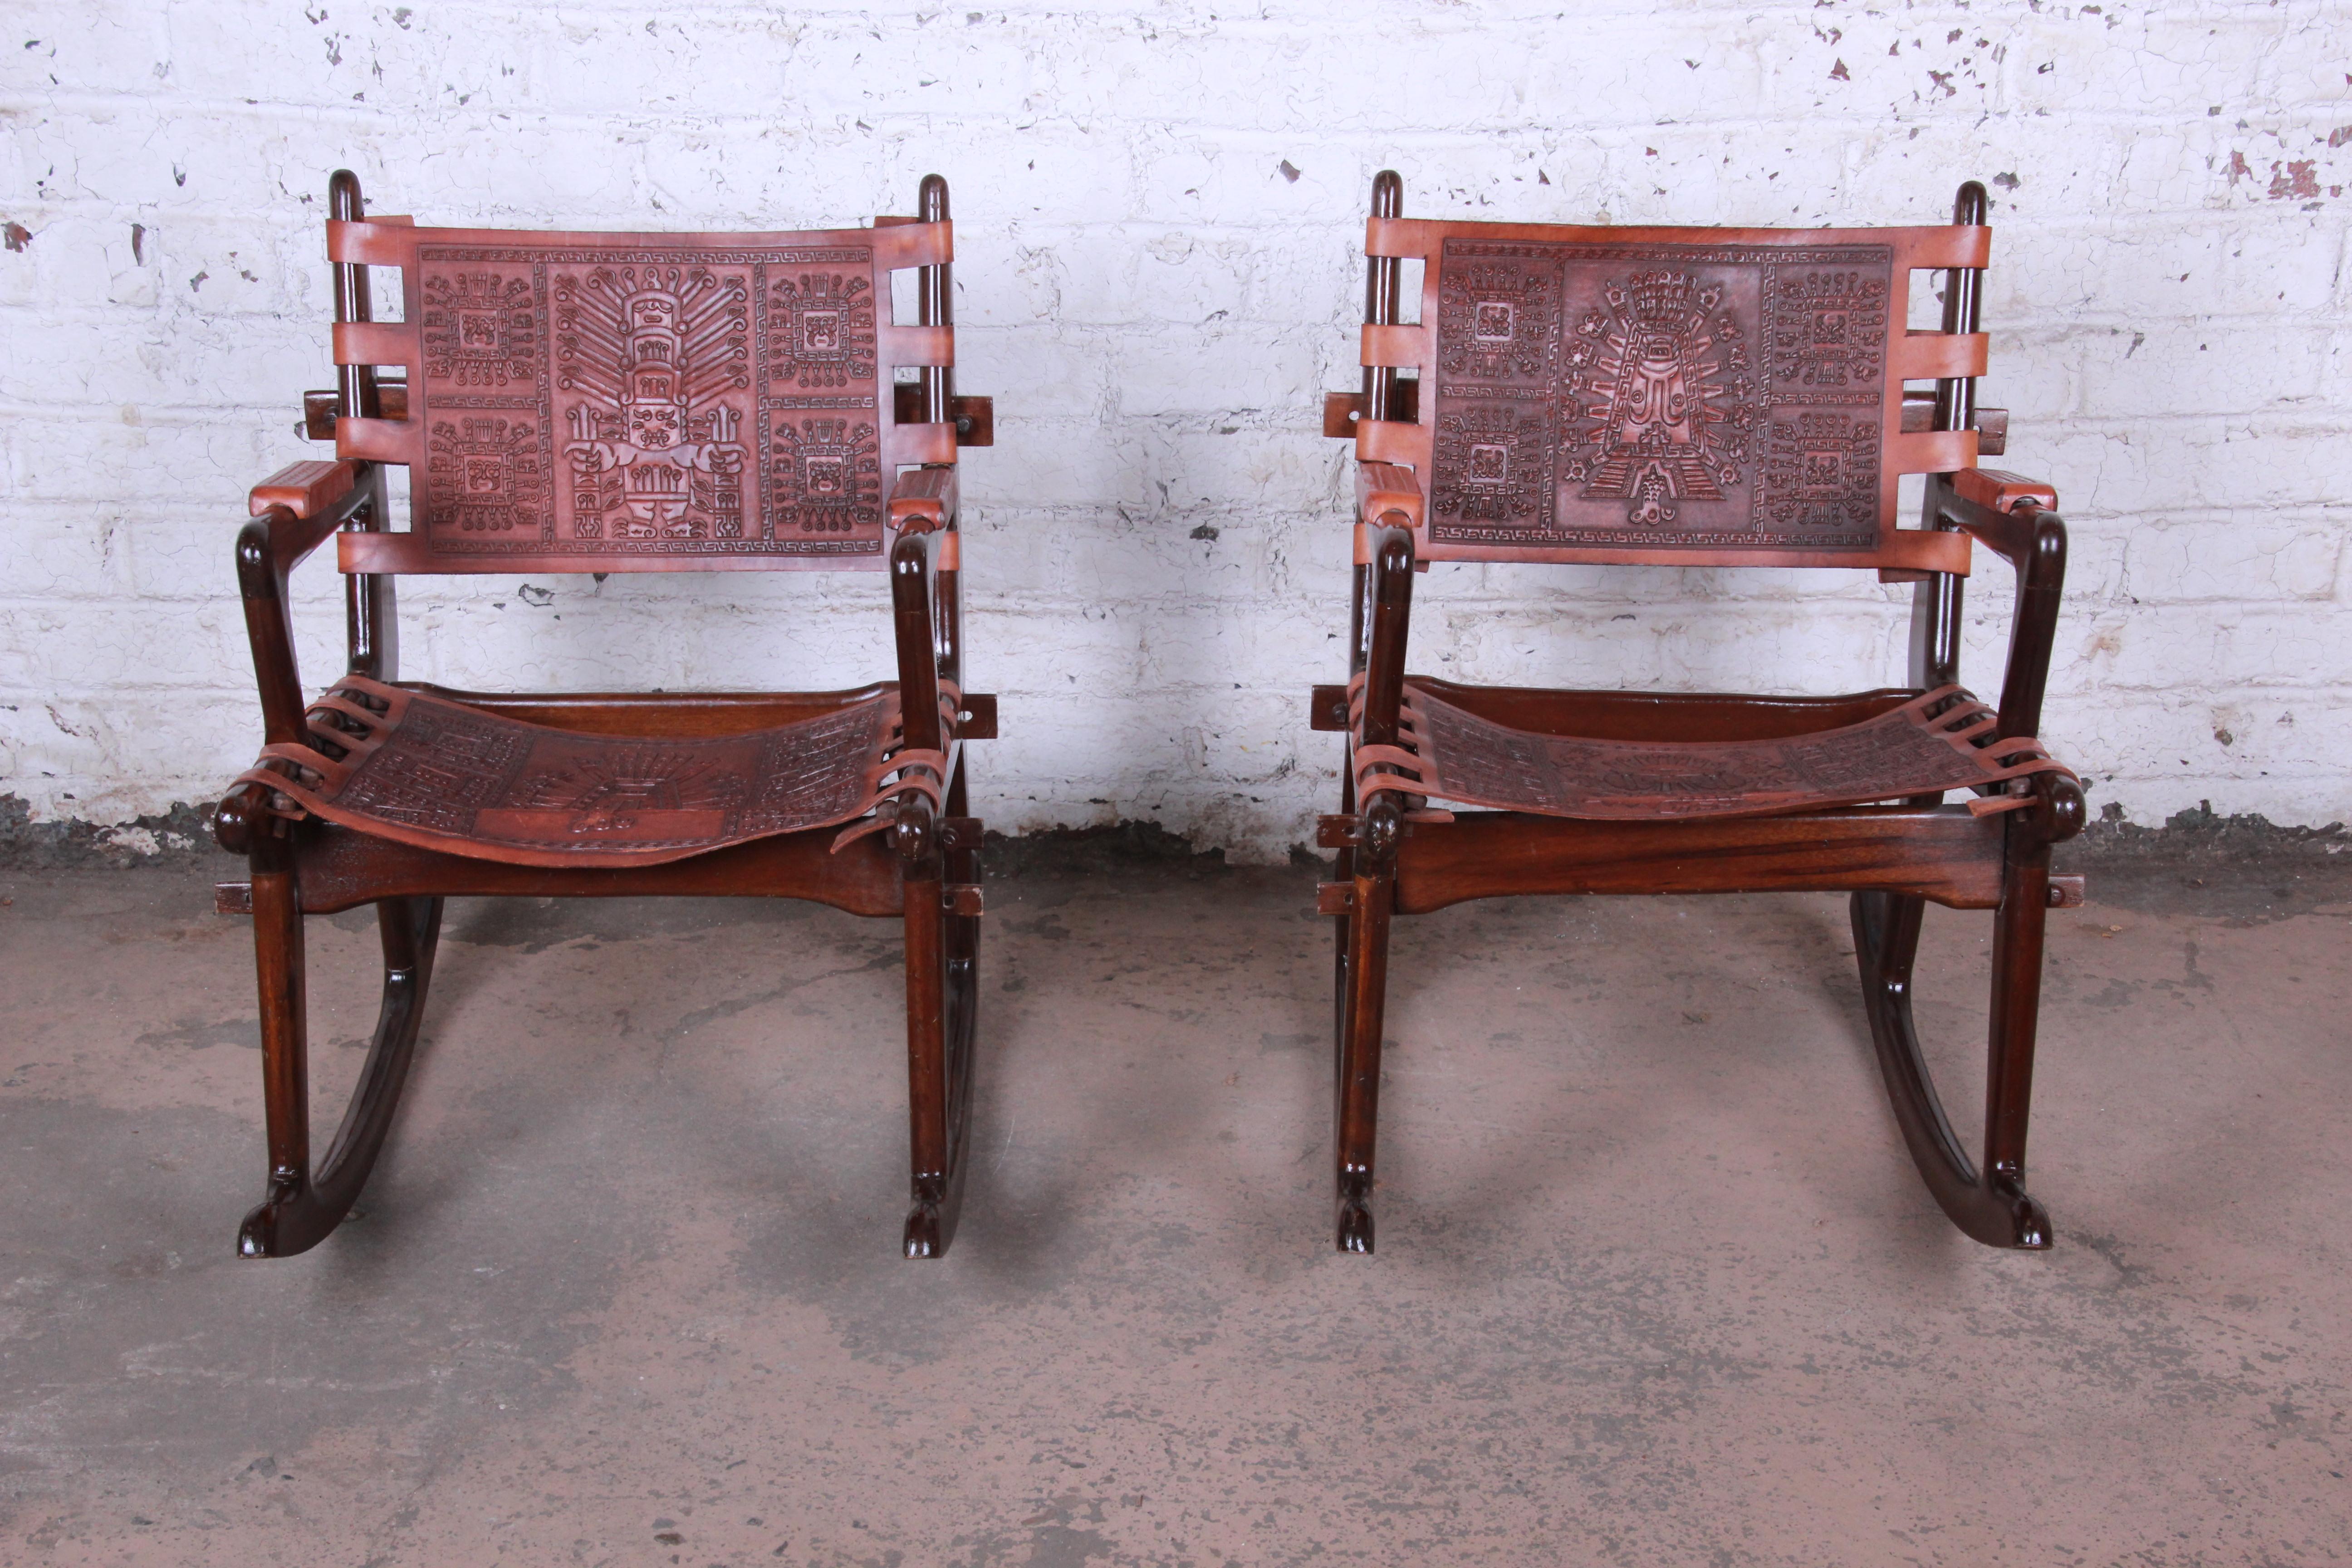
(1342, 409)
(1384, 488)
(306, 489)
(2002, 490)
(924, 498)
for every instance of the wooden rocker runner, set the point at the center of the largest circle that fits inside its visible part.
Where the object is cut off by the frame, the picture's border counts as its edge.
(614, 402)
(1697, 397)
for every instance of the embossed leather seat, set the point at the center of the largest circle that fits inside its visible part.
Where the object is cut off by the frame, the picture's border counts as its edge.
(616, 403)
(1697, 397)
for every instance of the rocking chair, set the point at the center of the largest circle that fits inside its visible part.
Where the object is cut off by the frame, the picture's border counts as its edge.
(1697, 397)
(614, 402)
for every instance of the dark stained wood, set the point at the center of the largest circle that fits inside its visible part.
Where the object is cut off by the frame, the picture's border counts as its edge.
(306, 489)
(920, 868)
(2001, 490)
(1397, 857)
(340, 869)
(926, 496)
(1991, 424)
(1942, 853)
(973, 417)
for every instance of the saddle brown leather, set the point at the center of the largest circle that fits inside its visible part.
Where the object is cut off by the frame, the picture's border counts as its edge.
(584, 402)
(1686, 396)
(1942, 740)
(408, 765)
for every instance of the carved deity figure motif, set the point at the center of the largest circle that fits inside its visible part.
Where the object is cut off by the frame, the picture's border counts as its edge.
(1662, 430)
(619, 399)
(1658, 394)
(651, 354)
(607, 791)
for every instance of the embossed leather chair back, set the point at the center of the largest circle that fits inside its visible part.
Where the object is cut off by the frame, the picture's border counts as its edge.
(643, 402)
(1681, 396)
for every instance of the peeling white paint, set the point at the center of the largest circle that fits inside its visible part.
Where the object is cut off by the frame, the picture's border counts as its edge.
(1159, 214)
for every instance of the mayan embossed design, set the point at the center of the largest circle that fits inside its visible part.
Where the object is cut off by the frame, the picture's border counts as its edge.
(658, 360)
(613, 400)
(1671, 395)
(1493, 464)
(1499, 320)
(449, 765)
(821, 329)
(488, 475)
(481, 329)
(827, 475)
(1827, 328)
(1663, 366)
(1820, 469)
(444, 770)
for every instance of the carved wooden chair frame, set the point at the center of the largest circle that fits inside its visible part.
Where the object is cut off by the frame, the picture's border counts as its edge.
(1398, 856)
(911, 850)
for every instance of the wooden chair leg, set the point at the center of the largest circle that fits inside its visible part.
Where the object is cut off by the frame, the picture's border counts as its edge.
(1364, 968)
(939, 1072)
(302, 1207)
(961, 963)
(1990, 1204)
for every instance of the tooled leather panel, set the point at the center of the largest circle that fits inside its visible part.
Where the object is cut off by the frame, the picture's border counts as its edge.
(586, 402)
(1658, 396)
(1926, 746)
(434, 773)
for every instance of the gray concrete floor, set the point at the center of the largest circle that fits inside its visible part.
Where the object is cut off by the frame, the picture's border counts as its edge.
(1657, 1283)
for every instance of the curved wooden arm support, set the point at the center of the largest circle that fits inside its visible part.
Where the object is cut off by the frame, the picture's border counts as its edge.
(1389, 550)
(278, 539)
(2033, 540)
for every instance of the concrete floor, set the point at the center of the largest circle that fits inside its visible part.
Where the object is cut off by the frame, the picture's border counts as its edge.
(1657, 1283)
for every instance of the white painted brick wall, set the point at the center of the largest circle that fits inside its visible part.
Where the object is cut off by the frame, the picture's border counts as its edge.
(1156, 548)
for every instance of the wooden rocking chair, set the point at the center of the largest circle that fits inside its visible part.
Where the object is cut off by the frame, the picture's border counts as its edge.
(1697, 397)
(614, 402)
